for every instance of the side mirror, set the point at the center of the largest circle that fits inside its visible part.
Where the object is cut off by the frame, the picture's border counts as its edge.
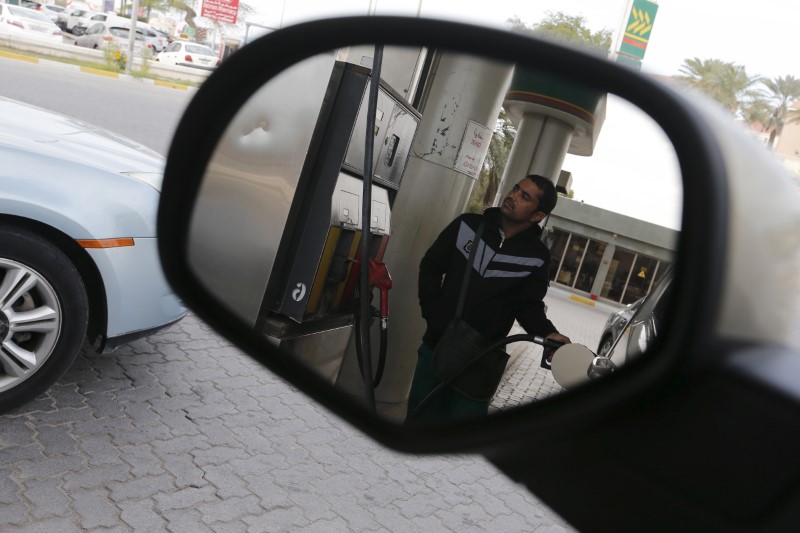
(263, 199)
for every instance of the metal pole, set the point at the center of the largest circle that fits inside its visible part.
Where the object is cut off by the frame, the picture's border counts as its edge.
(132, 36)
(623, 23)
(365, 313)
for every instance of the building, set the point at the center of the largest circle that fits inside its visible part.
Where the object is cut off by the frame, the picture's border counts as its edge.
(605, 255)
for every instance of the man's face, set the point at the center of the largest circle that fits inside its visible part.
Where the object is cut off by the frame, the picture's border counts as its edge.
(521, 204)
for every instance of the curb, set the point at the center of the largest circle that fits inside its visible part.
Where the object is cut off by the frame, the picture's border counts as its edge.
(94, 71)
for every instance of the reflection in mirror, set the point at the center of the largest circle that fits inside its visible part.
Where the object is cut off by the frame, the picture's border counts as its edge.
(276, 232)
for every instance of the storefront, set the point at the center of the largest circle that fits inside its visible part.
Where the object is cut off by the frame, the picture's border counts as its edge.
(606, 255)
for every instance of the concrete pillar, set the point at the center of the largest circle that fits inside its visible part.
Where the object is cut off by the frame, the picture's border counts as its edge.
(602, 272)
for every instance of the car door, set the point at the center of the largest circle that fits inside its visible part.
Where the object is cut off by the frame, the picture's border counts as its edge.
(170, 54)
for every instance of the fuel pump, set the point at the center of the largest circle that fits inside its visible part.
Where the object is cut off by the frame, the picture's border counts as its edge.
(380, 279)
(323, 209)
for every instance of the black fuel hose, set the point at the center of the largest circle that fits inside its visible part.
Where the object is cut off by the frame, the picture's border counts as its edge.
(542, 341)
(365, 358)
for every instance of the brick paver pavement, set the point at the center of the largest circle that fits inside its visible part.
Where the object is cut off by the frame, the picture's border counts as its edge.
(181, 432)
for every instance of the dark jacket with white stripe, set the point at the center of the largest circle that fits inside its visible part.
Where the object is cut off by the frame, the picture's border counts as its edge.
(509, 279)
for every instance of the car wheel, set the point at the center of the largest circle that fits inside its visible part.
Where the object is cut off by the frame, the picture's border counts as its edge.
(44, 313)
(605, 345)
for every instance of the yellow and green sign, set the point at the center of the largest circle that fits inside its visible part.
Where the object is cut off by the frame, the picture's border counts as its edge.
(638, 28)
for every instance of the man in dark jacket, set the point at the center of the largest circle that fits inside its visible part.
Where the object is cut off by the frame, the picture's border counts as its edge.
(508, 282)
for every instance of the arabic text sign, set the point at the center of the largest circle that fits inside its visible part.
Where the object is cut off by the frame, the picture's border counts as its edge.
(221, 10)
(473, 149)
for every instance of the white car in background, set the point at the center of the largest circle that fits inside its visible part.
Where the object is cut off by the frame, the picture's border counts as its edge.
(101, 35)
(188, 54)
(76, 20)
(18, 21)
(156, 41)
(51, 10)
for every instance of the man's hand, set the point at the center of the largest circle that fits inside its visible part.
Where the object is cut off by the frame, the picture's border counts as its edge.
(547, 354)
(558, 337)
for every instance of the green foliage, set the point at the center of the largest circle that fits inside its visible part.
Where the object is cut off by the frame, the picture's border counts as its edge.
(144, 67)
(727, 83)
(754, 99)
(782, 92)
(115, 58)
(567, 29)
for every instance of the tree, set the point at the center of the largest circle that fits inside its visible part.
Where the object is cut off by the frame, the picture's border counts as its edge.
(783, 91)
(725, 82)
(567, 29)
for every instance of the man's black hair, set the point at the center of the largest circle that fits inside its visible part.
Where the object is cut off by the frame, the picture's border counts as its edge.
(547, 201)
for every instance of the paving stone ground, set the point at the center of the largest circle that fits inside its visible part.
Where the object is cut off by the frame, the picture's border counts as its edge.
(180, 432)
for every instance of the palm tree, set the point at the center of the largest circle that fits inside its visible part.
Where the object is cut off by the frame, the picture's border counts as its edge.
(783, 91)
(725, 82)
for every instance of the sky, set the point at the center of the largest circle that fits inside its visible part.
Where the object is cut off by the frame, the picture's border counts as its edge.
(762, 38)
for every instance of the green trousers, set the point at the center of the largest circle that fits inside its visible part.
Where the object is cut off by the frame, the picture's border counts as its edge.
(448, 403)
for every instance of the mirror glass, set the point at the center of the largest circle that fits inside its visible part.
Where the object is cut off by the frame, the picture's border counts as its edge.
(276, 234)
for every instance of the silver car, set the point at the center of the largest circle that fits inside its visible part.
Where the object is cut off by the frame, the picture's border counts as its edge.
(615, 325)
(101, 35)
(78, 254)
(630, 331)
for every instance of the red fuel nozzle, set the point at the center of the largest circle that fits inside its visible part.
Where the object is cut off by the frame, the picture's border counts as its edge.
(379, 277)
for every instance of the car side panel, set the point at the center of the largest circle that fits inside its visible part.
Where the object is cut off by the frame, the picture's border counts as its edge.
(88, 203)
(139, 297)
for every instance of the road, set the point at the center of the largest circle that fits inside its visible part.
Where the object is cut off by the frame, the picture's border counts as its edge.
(145, 113)
(181, 432)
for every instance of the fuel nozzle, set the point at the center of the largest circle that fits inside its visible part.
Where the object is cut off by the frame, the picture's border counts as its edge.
(379, 277)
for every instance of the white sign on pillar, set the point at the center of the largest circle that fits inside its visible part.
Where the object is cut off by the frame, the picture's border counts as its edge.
(473, 149)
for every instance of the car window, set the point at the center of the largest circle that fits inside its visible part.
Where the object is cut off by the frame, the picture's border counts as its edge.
(98, 17)
(78, 13)
(174, 47)
(96, 28)
(199, 49)
(119, 32)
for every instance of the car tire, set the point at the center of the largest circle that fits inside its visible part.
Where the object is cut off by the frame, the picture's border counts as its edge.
(44, 312)
(605, 345)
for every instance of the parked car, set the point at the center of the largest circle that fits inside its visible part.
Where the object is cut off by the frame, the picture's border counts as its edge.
(104, 34)
(188, 54)
(29, 23)
(78, 257)
(615, 325)
(165, 37)
(51, 10)
(630, 330)
(157, 41)
(84, 24)
(76, 18)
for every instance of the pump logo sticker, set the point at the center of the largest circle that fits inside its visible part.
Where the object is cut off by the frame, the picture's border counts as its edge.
(299, 293)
